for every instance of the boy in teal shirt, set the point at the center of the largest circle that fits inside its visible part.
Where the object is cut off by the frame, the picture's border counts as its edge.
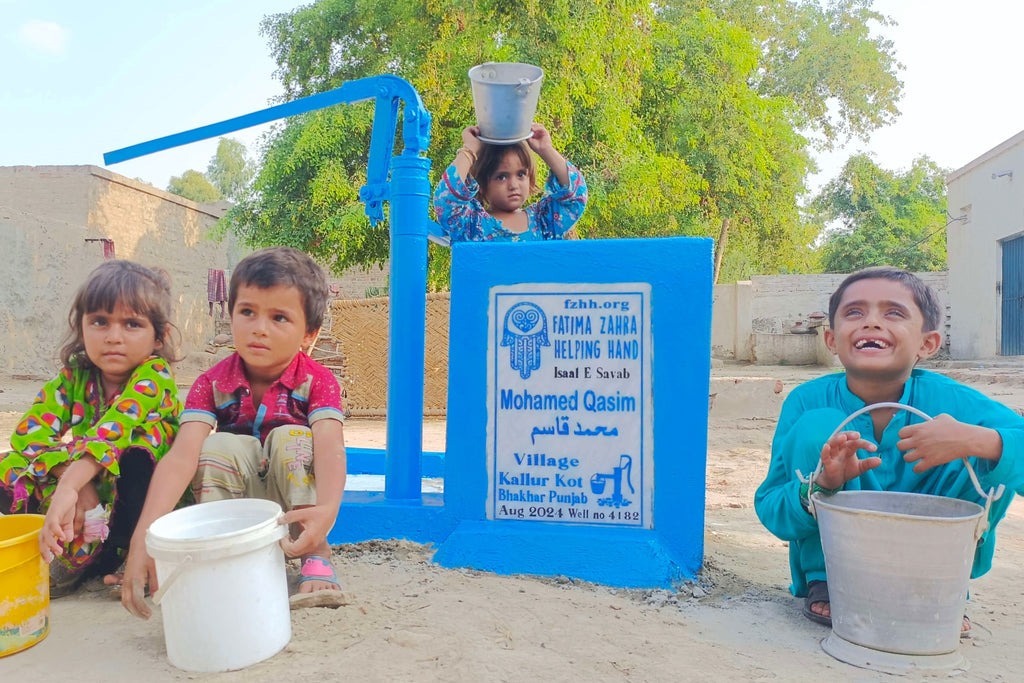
(882, 321)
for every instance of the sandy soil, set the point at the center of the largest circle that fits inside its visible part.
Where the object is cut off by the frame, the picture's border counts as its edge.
(412, 620)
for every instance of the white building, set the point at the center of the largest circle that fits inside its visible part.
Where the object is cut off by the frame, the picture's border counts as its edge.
(985, 244)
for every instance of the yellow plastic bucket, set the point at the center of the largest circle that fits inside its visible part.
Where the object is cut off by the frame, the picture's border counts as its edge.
(24, 584)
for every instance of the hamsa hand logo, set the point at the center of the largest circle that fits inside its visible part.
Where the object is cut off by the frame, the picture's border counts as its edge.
(526, 330)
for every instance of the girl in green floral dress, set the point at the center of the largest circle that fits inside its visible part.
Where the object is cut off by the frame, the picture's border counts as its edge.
(84, 452)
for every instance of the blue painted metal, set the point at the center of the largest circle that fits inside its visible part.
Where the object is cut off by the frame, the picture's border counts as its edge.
(374, 461)
(1013, 298)
(410, 194)
(386, 90)
(679, 271)
(404, 181)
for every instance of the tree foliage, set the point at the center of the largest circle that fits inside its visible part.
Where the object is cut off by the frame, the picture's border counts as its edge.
(230, 169)
(749, 161)
(195, 186)
(228, 175)
(307, 191)
(684, 115)
(840, 78)
(884, 217)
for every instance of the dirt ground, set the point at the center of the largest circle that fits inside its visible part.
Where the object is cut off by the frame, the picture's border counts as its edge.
(412, 620)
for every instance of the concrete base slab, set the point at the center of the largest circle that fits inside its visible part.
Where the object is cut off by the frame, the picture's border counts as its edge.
(630, 558)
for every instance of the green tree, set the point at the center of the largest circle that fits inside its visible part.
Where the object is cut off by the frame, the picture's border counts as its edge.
(195, 186)
(674, 111)
(230, 170)
(840, 77)
(741, 144)
(307, 192)
(881, 217)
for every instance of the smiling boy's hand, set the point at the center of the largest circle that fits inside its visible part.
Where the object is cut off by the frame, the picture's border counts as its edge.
(839, 461)
(945, 439)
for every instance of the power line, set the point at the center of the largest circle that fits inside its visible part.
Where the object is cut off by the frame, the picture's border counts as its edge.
(960, 218)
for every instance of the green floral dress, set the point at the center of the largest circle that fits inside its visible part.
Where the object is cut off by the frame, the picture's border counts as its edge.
(144, 416)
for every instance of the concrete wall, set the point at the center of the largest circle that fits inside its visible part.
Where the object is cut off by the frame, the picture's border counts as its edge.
(781, 300)
(731, 331)
(751, 319)
(357, 283)
(46, 215)
(987, 194)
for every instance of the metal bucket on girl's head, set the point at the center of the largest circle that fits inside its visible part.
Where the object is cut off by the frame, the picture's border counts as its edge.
(898, 567)
(505, 96)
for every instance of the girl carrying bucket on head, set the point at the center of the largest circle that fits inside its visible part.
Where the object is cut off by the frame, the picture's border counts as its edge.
(482, 194)
(85, 450)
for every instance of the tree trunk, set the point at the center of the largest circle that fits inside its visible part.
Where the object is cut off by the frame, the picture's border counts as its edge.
(720, 248)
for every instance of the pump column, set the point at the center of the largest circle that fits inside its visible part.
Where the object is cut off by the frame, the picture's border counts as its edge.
(410, 196)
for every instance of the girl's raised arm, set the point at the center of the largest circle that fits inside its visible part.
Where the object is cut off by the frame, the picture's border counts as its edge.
(466, 156)
(540, 142)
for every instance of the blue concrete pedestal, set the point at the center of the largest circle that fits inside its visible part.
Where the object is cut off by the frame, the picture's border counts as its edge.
(632, 558)
(366, 515)
(672, 276)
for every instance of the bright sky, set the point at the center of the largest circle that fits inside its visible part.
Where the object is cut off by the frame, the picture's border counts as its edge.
(84, 78)
(960, 98)
(81, 79)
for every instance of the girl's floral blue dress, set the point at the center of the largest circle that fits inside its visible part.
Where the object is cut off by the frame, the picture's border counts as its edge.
(464, 219)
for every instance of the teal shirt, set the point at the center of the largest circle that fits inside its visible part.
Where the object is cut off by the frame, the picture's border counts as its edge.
(814, 409)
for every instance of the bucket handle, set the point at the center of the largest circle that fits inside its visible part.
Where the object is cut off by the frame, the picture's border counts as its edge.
(995, 493)
(523, 87)
(185, 561)
(165, 585)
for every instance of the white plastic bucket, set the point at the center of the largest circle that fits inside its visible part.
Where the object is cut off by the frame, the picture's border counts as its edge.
(223, 585)
(505, 96)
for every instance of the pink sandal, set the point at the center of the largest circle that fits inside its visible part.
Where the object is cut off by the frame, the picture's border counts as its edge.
(317, 568)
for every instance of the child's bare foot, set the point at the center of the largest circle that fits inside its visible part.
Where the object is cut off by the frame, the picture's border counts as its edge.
(317, 572)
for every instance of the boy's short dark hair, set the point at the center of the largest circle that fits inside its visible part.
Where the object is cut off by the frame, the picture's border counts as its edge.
(924, 296)
(288, 267)
(490, 159)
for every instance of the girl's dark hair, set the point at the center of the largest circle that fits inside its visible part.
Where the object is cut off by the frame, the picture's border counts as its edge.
(490, 158)
(923, 295)
(288, 267)
(146, 291)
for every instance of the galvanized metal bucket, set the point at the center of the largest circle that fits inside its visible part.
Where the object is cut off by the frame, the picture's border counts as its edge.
(505, 96)
(899, 564)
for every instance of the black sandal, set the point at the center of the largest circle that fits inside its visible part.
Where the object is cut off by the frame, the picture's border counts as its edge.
(817, 591)
(63, 581)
